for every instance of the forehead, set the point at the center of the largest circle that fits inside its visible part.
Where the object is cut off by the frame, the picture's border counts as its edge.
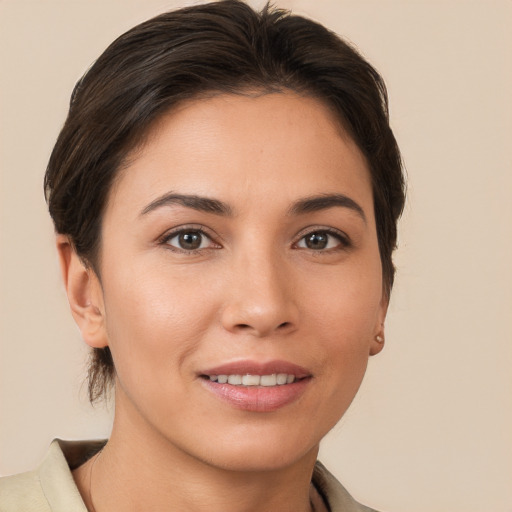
(245, 148)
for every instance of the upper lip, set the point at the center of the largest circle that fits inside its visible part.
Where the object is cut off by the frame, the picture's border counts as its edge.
(248, 367)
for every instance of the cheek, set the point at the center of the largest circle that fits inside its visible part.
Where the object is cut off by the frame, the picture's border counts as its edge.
(153, 321)
(342, 316)
(347, 302)
(343, 338)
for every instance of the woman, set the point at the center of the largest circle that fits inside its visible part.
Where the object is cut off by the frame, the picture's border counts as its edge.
(225, 193)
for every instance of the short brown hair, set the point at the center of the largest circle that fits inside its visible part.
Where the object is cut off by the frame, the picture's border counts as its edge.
(224, 47)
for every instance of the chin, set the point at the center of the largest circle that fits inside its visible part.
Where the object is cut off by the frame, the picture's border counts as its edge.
(259, 459)
(270, 448)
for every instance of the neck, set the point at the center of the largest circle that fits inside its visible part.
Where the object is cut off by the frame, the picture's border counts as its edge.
(140, 470)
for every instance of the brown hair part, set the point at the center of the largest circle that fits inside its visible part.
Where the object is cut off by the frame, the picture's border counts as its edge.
(220, 47)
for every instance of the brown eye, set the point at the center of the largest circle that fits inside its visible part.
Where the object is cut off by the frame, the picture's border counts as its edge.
(189, 240)
(321, 240)
(316, 240)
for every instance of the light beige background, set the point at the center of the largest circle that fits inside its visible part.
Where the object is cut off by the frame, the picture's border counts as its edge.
(431, 429)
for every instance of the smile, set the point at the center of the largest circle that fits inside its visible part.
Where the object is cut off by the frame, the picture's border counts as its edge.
(254, 386)
(274, 379)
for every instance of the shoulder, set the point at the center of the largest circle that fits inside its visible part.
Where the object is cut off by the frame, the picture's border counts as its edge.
(51, 487)
(337, 497)
(22, 493)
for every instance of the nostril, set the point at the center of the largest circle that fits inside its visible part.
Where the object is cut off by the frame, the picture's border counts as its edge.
(247, 327)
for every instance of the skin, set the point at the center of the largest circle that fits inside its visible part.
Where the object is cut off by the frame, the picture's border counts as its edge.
(254, 290)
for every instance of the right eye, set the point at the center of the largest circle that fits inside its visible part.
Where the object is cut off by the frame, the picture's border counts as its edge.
(189, 240)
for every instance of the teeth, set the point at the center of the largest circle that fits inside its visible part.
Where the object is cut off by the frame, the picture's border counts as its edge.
(281, 378)
(268, 380)
(251, 380)
(235, 380)
(274, 379)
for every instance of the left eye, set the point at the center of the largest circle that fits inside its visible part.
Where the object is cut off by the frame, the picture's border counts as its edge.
(319, 240)
(189, 240)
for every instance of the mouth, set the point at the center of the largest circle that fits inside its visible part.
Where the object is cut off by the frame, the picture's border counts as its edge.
(271, 380)
(257, 387)
(252, 373)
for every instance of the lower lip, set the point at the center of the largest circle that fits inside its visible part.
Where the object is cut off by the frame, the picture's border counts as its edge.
(258, 398)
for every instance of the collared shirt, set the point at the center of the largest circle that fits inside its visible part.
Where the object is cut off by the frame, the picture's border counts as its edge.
(51, 487)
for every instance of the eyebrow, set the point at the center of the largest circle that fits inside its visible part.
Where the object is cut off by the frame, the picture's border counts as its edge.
(203, 204)
(209, 205)
(325, 201)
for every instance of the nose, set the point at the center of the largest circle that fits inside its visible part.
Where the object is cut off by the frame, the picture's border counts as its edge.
(261, 298)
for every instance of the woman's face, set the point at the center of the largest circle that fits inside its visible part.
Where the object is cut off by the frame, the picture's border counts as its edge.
(240, 242)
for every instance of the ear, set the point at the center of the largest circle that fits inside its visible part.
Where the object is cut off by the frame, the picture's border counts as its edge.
(377, 343)
(85, 294)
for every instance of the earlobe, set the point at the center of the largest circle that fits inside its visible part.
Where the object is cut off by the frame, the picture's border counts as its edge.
(84, 294)
(377, 344)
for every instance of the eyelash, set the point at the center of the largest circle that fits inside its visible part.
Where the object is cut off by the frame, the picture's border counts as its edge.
(183, 230)
(342, 238)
